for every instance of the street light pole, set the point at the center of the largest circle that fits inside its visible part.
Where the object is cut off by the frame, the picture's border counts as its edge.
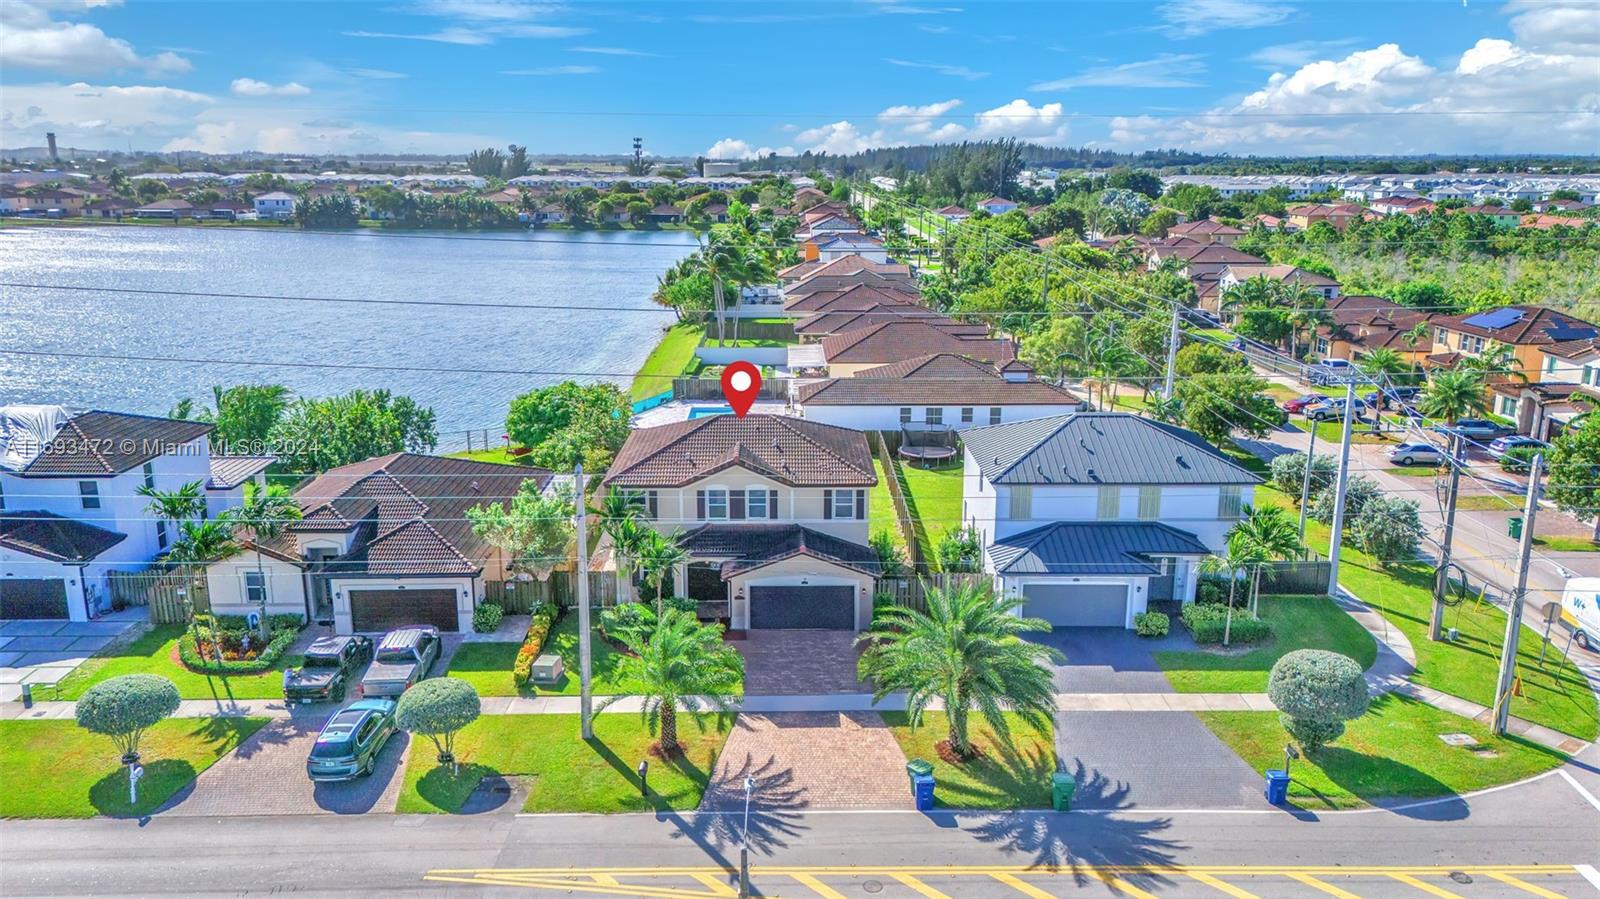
(1441, 581)
(1508, 652)
(1172, 354)
(1338, 494)
(586, 696)
(1305, 480)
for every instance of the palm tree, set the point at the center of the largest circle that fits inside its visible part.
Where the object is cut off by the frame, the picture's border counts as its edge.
(1265, 534)
(1453, 394)
(267, 511)
(1418, 333)
(750, 269)
(199, 544)
(721, 259)
(174, 506)
(1227, 566)
(964, 650)
(1257, 292)
(1384, 361)
(1308, 310)
(1498, 359)
(679, 660)
(659, 555)
(620, 520)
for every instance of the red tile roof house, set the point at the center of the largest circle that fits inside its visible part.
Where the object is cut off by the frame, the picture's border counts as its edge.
(1207, 231)
(852, 352)
(1362, 324)
(822, 325)
(943, 389)
(844, 265)
(382, 543)
(772, 510)
(858, 291)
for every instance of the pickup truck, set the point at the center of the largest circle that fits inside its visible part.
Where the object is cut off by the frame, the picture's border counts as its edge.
(404, 656)
(329, 666)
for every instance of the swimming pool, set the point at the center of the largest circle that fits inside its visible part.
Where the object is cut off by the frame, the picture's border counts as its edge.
(708, 411)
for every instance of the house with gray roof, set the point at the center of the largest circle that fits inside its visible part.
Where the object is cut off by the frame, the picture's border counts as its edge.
(1090, 516)
(937, 390)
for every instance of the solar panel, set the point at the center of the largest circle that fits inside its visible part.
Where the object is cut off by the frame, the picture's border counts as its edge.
(1494, 318)
(1571, 332)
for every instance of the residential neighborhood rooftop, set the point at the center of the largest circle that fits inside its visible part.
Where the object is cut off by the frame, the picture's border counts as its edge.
(1099, 448)
(788, 450)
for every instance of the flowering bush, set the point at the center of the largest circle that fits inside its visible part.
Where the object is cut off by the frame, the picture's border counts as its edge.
(544, 618)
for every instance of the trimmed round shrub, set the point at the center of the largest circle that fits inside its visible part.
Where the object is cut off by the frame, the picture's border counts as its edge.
(437, 708)
(122, 707)
(486, 618)
(1152, 624)
(1316, 692)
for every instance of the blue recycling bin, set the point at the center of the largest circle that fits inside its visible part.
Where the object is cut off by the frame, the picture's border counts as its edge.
(1277, 786)
(922, 791)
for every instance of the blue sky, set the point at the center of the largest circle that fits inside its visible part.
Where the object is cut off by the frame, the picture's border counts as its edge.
(1244, 76)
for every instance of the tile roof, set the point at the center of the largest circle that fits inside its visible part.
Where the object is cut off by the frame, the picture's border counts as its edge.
(98, 444)
(1204, 226)
(940, 378)
(1092, 548)
(837, 322)
(786, 449)
(1098, 448)
(1203, 253)
(844, 265)
(748, 546)
(1374, 322)
(853, 298)
(228, 472)
(50, 536)
(1524, 325)
(896, 341)
(1244, 271)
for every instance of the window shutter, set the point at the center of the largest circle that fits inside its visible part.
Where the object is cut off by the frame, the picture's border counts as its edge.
(736, 504)
(772, 504)
(652, 501)
(861, 504)
(700, 504)
(827, 504)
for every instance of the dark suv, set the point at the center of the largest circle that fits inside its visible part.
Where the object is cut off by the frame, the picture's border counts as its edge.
(329, 666)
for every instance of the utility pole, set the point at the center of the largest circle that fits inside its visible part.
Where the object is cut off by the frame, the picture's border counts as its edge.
(586, 694)
(1338, 494)
(1441, 580)
(1172, 352)
(1508, 652)
(1305, 480)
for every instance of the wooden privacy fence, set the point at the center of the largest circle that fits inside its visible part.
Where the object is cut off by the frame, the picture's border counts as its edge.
(902, 510)
(160, 591)
(520, 597)
(912, 591)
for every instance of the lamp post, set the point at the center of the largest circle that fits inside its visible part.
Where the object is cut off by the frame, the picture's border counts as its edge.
(744, 849)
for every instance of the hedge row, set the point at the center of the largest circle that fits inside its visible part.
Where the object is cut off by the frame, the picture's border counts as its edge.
(544, 618)
(266, 660)
(1207, 622)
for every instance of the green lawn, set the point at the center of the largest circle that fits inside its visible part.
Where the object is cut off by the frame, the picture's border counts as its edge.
(933, 497)
(56, 769)
(1556, 696)
(1392, 752)
(1562, 543)
(566, 773)
(156, 652)
(1411, 471)
(1014, 774)
(1130, 401)
(1331, 432)
(1298, 622)
(498, 455)
(668, 360)
(880, 509)
(1485, 504)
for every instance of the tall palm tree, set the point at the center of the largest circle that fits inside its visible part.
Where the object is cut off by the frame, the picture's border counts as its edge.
(751, 269)
(1308, 310)
(1257, 292)
(173, 507)
(964, 650)
(678, 661)
(1226, 565)
(1384, 363)
(1265, 534)
(1453, 394)
(1419, 332)
(199, 544)
(721, 259)
(620, 520)
(267, 512)
(659, 555)
(1497, 360)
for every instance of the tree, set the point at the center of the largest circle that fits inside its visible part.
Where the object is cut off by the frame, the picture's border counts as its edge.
(964, 650)
(1453, 394)
(173, 507)
(659, 557)
(1384, 362)
(123, 707)
(1497, 361)
(486, 163)
(1388, 529)
(619, 519)
(1206, 359)
(1289, 471)
(1316, 692)
(1308, 311)
(1217, 405)
(1265, 534)
(1573, 463)
(267, 511)
(319, 434)
(245, 414)
(678, 661)
(438, 708)
(567, 423)
(1158, 223)
(516, 163)
(960, 551)
(534, 529)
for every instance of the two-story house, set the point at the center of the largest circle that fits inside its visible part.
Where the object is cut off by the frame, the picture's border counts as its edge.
(997, 205)
(276, 204)
(772, 511)
(1090, 517)
(1529, 331)
(1206, 231)
(943, 390)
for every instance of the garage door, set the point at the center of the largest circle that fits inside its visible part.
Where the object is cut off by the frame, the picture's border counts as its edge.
(33, 598)
(381, 610)
(803, 607)
(1077, 605)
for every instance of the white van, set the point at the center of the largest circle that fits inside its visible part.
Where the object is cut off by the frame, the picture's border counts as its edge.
(1580, 610)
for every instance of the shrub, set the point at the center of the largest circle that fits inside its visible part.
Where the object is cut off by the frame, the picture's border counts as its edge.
(1208, 622)
(1151, 624)
(122, 707)
(544, 618)
(486, 618)
(1519, 459)
(437, 708)
(891, 560)
(682, 604)
(959, 551)
(242, 650)
(1388, 529)
(1316, 692)
(625, 620)
(1211, 591)
(1289, 472)
(1357, 491)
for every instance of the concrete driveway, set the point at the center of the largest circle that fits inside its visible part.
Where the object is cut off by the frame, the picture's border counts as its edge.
(1152, 760)
(41, 652)
(266, 775)
(1109, 660)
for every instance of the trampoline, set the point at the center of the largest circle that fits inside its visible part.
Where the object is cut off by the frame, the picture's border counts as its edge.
(927, 444)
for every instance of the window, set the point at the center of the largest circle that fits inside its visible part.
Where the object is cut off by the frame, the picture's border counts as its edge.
(966, 415)
(1110, 503)
(1021, 503)
(644, 501)
(161, 535)
(994, 415)
(1550, 364)
(905, 415)
(1442, 337)
(150, 475)
(935, 415)
(1322, 345)
(89, 494)
(1149, 503)
(755, 504)
(844, 504)
(1230, 503)
(1588, 370)
(716, 504)
(255, 587)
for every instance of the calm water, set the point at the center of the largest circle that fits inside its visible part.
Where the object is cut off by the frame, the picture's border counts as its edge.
(585, 270)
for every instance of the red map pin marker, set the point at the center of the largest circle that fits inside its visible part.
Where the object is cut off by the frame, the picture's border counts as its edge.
(741, 381)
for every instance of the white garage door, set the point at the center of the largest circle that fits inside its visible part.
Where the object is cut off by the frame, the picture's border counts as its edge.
(1077, 605)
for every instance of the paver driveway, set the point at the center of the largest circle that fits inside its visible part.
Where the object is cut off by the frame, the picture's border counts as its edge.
(1154, 760)
(266, 775)
(799, 662)
(810, 760)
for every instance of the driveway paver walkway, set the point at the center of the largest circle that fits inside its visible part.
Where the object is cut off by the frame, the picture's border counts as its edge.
(810, 760)
(799, 662)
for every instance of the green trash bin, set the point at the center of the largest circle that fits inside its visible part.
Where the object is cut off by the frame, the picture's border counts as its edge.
(918, 768)
(1062, 786)
(1514, 526)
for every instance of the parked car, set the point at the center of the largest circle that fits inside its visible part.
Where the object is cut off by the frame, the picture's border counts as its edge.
(1416, 453)
(1331, 371)
(1333, 408)
(1502, 445)
(403, 657)
(349, 743)
(1398, 396)
(1475, 429)
(329, 666)
(1299, 403)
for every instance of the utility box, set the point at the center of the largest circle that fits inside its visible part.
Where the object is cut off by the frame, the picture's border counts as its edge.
(922, 791)
(1277, 786)
(1062, 788)
(547, 669)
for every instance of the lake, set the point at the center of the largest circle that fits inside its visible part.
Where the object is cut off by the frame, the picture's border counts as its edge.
(603, 279)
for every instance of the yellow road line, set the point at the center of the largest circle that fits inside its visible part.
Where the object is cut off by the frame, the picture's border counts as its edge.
(817, 886)
(1523, 885)
(1228, 888)
(715, 885)
(1428, 888)
(1119, 885)
(849, 871)
(1328, 888)
(531, 882)
(919, 886)
(604, 879)
(1022, 886)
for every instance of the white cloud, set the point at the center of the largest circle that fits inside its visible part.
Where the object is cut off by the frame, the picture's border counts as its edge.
(612, 51)
(31, 38)
(377, 74)
(923, 121)
(840, 138)
(943, 69)
(249, 87)
(1556, 26)
(733, 148)
(477, 36)
(1298, 53)
(1166, 70)
(554, 70)
(484, 10)
(1193, 18)
(1020, 119)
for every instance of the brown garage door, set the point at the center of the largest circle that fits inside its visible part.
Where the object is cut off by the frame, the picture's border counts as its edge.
(33, 598)
(381, 610)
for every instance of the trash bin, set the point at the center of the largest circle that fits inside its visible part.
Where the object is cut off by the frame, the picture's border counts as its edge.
(1062, 786)
(922, 791)
(1514, 526)
(917, 767)
(1277, 786)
